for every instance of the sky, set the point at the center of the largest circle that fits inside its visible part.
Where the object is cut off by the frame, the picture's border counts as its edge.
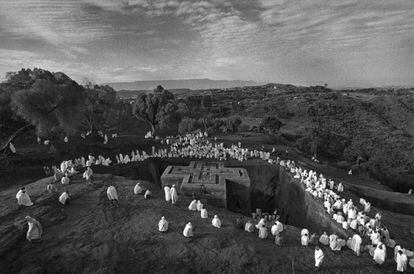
(349, 43)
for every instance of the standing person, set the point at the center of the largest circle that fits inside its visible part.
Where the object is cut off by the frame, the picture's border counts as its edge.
(174, 195)
(204, 213)
(356, 244)
(112, 195)
(318, 257)
(278, 239)
(380, 254)
(199, 205)
(162, 225)
(263, 231)
(167, 192)
(401, 261)
(35, 230)
(277, 228)
(87, 175)
(304, 239)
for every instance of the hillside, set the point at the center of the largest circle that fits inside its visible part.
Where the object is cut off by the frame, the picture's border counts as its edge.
(180, 84)
(370, 131)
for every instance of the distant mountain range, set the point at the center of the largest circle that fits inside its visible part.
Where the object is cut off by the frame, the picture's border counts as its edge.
(181, 84)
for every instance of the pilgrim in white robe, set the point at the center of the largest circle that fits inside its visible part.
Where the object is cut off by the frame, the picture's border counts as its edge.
(174, 195)
(401, 262)
(277, 228)
(334, 243)
(262, 222)
(249, 227)
(216, 222)
(396, 249)
(72, 171)
(304, 239)
(318, 257)
(199, 205)
(263, 232)
(35, 229)
(353, 224)
(162, 225)
(12, 148)
(375, 238)
(324, 239)
(193, 205)
(188, 230)
(88, 173)
(367, 207)
(349, 243)
(112, 193)
(380, 254)
(147, 194)
(167, 192)
(204, 213)
(345, 225)
(63, 198)
(23, 198)
(356, 244)
(65, 180)
(138, 189)
(63, 166)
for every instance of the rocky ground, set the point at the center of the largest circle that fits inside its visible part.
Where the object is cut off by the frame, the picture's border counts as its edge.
(91, 236)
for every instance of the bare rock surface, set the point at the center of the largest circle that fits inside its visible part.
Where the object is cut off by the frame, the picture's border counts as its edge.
(92, 236)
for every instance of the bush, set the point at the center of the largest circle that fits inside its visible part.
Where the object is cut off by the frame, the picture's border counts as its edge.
(271, 124)
(233, 123)
(188, 125)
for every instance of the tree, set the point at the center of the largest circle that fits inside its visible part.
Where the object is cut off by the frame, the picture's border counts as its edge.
(156, 109)
(44, 101)
(188, 125)
(271, 123)
(233, 123)
(101, 105)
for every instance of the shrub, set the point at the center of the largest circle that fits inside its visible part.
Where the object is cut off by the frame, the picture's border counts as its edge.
(188, 125)
(271, 123)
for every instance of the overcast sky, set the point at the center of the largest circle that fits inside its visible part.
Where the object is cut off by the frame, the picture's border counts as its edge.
(340, 42)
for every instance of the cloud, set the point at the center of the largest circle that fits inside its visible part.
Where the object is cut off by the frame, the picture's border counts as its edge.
(298, 41)
(57, 22)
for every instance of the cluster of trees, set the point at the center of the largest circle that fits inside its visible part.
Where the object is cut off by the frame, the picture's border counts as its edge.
(52, 104)
(161, 110)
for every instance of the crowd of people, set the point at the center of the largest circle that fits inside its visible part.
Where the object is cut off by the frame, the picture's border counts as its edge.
(350, 216)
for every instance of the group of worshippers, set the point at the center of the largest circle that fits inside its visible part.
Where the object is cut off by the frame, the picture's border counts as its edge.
(349, 217)
(195, 205)
(345, 213)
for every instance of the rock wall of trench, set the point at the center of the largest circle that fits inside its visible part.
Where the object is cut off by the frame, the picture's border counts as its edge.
(272, 187)
(301, 209)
